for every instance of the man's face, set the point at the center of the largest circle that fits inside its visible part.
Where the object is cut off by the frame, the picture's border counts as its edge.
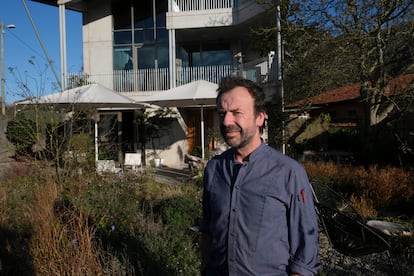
(239, 124)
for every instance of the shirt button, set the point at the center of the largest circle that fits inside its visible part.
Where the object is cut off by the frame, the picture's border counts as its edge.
(234, 210)
(237, 187)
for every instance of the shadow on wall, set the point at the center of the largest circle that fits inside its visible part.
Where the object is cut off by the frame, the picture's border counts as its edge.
(162, 140)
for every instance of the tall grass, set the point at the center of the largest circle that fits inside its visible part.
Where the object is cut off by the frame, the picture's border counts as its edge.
(124, 224)
(386, 193)
(371, 190)
(114, 224)
(63, 240)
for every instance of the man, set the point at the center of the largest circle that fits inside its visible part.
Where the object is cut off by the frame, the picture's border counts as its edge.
(258, 213)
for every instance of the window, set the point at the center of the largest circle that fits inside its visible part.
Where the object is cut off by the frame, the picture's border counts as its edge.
(140, 36)
(205, 55)
(122, 58)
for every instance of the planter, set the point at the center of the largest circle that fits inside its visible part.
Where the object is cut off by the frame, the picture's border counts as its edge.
(158, 162)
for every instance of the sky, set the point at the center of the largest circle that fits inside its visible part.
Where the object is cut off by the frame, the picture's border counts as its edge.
(21, 45)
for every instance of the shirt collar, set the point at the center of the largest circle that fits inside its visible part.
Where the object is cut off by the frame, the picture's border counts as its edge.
(253, 155)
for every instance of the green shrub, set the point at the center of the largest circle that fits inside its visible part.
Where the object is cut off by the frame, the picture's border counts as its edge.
(180, 213)
(169, 253)
(22, 134)
(111, 201)
(79, 154)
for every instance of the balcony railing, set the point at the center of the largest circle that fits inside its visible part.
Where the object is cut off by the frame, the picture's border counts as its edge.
(145, 80)
(195, 5)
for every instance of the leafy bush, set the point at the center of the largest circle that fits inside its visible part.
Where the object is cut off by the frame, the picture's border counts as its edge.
(111, 201)
(135, 218)
(79, 155)
(179, 213)
(21, 133)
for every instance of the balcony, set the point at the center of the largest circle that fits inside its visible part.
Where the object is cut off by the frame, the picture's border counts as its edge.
(185, 14)
(196, 5)
(147, 80)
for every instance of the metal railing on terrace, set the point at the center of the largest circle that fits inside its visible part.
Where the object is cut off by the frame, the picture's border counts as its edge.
(195, 5)
(142, 80)
(145, 80)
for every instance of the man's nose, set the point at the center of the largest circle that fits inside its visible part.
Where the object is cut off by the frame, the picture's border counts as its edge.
(228, 119)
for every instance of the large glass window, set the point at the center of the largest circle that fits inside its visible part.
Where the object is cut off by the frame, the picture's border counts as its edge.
(145, 31)
(205, 55)
(123, 58)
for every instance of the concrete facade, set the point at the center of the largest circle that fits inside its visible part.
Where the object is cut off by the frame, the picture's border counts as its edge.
(192, 34)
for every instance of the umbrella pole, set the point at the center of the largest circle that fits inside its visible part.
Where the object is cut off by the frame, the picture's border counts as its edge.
(202, 131)
(96, 139)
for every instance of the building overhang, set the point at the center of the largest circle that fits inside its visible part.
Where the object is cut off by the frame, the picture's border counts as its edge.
(75, 5)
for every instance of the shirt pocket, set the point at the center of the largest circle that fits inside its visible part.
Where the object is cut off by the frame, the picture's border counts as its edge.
(269, 225)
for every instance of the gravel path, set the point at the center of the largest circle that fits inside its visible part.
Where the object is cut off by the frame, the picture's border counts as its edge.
(379, 264)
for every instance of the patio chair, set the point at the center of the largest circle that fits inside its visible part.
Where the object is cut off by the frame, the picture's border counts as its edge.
(347, 230)
(133, 161)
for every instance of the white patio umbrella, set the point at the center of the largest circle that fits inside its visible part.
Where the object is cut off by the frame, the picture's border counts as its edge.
(87, 96)
(198, 93)
(93, 95)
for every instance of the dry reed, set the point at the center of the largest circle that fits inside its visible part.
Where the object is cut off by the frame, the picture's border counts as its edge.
(62, 243)
(369, 189)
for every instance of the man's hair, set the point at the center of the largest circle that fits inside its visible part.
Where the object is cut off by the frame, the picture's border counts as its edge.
(256, 91)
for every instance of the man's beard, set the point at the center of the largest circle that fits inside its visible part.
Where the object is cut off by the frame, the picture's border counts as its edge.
(244, 139)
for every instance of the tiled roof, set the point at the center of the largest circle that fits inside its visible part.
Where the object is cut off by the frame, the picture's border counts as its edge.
(349, 92)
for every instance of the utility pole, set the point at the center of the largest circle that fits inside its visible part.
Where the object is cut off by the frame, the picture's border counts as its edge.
(3, 93)
(52, 67)
(280, 73)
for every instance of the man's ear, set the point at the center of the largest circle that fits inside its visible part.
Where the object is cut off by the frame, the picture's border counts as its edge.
(260, 119)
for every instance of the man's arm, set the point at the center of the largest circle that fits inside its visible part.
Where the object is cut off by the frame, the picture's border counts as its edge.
(303, 227)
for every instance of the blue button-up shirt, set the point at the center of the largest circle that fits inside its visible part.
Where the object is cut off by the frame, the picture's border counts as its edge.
(262, 221)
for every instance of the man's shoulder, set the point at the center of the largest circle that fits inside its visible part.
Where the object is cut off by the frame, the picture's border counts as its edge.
(219, 158)
(275, 156)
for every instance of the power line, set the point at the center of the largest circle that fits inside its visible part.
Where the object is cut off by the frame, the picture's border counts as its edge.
(27, 45)
(41, 42)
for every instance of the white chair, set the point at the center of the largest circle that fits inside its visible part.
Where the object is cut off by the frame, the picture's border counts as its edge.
(132, 160)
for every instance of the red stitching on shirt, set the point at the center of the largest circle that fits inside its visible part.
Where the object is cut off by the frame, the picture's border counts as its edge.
(302, 192)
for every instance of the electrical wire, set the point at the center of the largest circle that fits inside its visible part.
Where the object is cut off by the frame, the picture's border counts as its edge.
(27, 45)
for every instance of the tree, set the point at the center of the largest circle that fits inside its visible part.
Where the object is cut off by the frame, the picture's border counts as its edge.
(329, 43)
(50, 132)
(377, 35)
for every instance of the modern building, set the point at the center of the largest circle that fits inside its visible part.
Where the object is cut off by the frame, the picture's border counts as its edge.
(141, 47)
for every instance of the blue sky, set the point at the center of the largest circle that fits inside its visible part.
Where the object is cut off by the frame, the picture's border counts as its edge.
(21, 44)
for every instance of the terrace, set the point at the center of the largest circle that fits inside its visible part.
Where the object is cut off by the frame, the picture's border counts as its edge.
(158, 79)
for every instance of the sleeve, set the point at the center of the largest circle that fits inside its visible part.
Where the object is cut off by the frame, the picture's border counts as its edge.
(303, 227)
